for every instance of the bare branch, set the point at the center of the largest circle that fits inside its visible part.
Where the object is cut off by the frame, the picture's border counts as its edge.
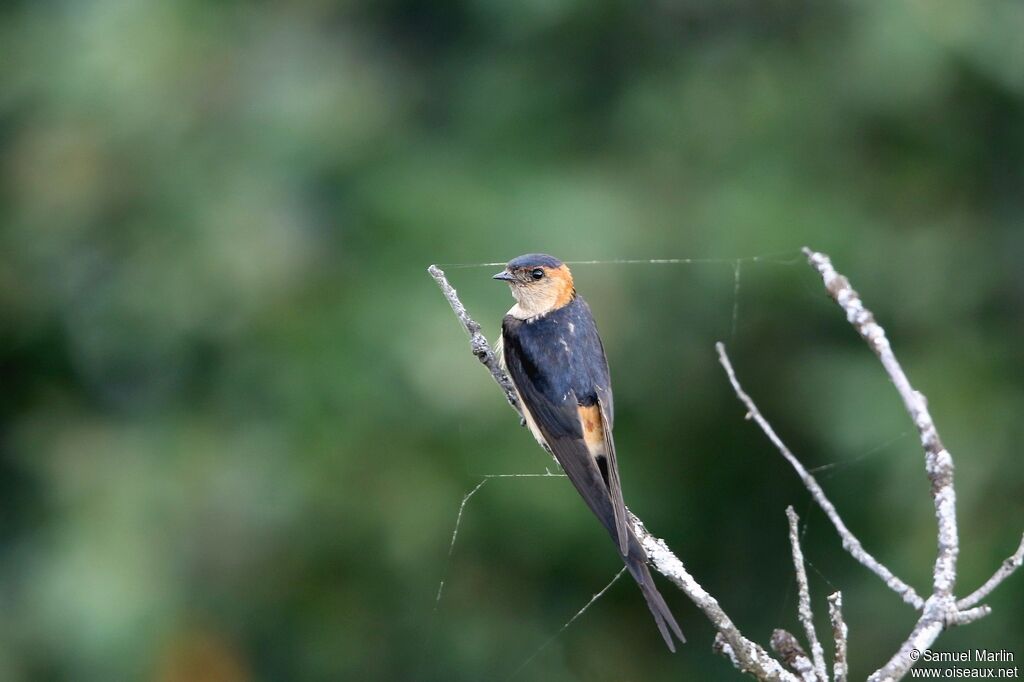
(940, 609)
(925, 632)
(938, 462)
(850, 542)
(721, 647)
(1005, 571)
(477, 341)
(840, 667)
(971, 615)
(804, 595)
(785, 644)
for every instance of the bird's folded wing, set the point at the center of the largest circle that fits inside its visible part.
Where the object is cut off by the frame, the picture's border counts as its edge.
(614, 484)
(557, 418)
(582, 470)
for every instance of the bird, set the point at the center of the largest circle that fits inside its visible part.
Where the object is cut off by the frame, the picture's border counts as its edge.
(551, 350)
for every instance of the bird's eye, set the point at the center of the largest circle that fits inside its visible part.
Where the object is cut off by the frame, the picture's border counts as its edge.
(537, 273)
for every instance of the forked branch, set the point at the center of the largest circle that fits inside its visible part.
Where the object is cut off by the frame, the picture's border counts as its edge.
(804, 597)
(941, 609)
(850, 542)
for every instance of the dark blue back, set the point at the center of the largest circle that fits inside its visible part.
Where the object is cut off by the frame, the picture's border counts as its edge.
(558, 356)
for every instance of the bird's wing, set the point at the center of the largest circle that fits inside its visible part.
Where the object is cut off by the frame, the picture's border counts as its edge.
(579, 464)
(604, 403)
(602, 388)
(558, 419)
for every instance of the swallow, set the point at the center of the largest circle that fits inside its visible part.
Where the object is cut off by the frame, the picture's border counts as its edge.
(551, 350)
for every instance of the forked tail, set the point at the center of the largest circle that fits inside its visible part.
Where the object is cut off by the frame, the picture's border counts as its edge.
(666, 622)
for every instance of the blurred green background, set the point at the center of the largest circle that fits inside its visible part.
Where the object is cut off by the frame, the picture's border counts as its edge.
(237, 418)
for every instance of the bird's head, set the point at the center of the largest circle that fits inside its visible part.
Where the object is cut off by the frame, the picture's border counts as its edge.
(539, 283)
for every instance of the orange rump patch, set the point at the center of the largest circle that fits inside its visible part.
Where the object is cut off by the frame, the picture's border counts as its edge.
(592, 427)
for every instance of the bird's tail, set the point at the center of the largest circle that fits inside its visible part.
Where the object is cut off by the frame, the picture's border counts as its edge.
(636, 562)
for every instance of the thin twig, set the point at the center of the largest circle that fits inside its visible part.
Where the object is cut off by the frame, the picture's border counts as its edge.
(850, 542)
(477, 341)
(970, 615)
(804, 597)
(840, 667)
(940, 608)
(1004, 571)
(938, 461)
(927, 629)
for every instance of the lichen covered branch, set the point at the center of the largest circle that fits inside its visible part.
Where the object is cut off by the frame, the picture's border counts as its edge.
(850, 542)
(1004, 571)
(785, 644)
(840, 667)
(938, 462)
(804, 597)
(941, 609)
(477, 341)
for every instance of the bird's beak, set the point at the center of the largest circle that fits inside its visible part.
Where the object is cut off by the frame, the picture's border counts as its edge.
(504, 275)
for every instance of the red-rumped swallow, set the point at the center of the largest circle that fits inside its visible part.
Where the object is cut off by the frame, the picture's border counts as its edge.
(553, 354)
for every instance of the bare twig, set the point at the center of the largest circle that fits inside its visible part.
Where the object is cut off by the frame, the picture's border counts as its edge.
(1005, 570)
(804, 596)
(971, 615)
(477, 341)
(840, 668)
(925, 632)
(941, 609)
(938, 462)
(785, 644)
(850, 542)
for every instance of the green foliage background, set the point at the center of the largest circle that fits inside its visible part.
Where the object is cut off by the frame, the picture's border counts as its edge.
(237, 418)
